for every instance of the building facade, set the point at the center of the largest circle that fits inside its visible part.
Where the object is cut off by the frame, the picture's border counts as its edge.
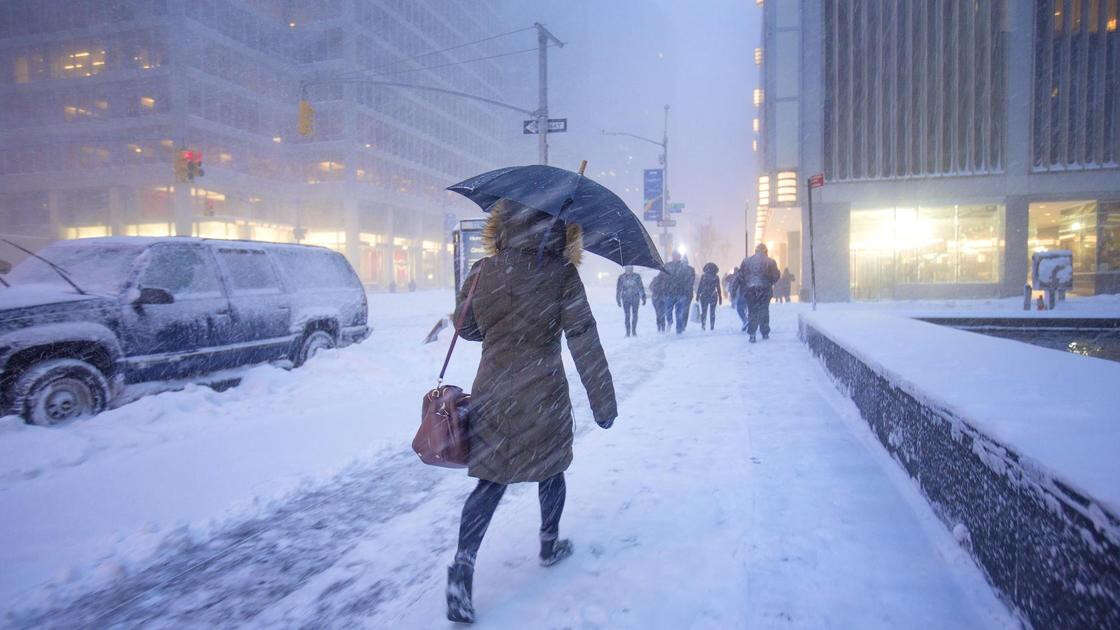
(97, 98)
(956, 138)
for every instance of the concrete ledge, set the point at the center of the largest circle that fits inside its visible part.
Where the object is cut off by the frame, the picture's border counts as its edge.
(1051, 551)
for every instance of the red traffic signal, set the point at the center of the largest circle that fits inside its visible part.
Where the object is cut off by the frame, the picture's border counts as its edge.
(190, 155)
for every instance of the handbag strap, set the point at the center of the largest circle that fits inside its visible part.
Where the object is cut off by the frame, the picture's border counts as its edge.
(459, 325)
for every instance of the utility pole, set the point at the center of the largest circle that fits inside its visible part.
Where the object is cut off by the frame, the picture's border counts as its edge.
(544, 37)
(747, 228)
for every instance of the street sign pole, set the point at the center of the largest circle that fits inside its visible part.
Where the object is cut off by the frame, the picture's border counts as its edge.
(543, 39)
(816, 181)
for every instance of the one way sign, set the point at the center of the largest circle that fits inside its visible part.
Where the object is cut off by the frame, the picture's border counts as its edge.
(555, 125)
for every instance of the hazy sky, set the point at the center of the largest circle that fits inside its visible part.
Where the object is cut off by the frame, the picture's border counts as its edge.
(622, 62)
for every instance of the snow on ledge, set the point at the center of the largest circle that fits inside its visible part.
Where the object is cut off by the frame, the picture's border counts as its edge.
(1056, 409)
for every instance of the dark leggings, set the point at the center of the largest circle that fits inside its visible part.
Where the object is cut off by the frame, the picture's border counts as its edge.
(630, 307)
(483, 501)
(708, 307)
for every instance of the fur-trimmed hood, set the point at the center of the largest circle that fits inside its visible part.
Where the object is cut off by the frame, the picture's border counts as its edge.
(514, 226)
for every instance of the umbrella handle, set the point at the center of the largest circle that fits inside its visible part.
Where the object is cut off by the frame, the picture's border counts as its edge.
(582, 166)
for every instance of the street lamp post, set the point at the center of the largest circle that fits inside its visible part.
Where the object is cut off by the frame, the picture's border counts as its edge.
(666, 238)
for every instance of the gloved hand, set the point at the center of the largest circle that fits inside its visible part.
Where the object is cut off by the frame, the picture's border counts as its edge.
(606, 424)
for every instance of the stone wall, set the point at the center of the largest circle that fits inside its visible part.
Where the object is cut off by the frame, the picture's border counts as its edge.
(1052, 553)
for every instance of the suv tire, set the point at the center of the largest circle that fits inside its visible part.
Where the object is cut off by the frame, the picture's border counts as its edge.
(312, 343)
(58, 390)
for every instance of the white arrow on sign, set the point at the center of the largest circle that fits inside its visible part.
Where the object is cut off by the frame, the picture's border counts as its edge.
(555, 125)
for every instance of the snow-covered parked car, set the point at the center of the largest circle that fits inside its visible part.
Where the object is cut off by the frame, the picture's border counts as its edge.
(82, 318)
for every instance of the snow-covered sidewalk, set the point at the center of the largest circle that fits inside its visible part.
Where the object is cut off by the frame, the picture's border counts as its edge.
(737, 489)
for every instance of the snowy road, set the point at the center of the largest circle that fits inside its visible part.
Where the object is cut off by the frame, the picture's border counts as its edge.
(737, 489)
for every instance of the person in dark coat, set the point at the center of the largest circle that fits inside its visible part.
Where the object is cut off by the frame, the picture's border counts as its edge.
(708, 293)
(757, 276)
(785, 285)
(627, 293)
(682, 279)
(658, 290)
(735, 294)
(520, 414)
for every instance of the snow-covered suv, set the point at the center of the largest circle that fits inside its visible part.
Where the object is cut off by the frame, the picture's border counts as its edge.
(81, 318)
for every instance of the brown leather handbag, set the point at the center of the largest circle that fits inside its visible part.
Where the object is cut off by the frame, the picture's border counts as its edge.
(442, 437)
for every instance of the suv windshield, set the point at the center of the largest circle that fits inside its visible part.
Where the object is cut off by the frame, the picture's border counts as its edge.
(96, 268)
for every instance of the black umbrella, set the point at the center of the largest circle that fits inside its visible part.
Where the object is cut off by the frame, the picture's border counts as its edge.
(610, 229)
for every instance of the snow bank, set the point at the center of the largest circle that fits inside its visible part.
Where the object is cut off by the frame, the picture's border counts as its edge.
(1014, 445)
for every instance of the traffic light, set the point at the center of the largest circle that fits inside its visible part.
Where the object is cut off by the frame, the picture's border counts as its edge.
(181, 167)
(306, 118)
(194, 167)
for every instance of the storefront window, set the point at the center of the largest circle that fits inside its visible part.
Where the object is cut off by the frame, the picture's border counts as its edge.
(1110, 238)
(924, 245)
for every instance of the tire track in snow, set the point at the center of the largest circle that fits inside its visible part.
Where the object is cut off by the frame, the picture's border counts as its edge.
(230, 578)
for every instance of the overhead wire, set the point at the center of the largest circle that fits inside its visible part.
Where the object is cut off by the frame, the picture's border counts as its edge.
(454, 63)
(436, 52)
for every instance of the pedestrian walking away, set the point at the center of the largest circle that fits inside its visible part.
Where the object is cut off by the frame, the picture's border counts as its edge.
(528, 294)
(628, 292)
(785, 285)
(682, 279)
(738, 297)
(709, 295)
(658, 292)
(757, 275)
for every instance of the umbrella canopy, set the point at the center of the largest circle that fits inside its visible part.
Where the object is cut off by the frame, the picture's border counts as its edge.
(610, 229)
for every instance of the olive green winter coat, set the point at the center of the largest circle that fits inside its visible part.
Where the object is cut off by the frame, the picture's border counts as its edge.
(521, 416)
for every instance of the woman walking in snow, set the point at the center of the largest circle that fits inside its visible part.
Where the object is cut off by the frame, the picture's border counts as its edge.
(520, 415)
(709, 295)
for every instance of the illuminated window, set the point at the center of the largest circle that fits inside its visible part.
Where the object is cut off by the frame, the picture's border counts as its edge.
(924, 245)
(758, 56)
(754, 145)
(755, 125)
(147, 102)
(145, 60)
(73, 112)
(82, 63)
(787, 187)
(758, 97)
(763, 190)
(22, 70)
(87, 231)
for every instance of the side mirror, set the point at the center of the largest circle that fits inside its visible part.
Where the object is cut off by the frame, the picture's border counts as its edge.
(5, 267)
(149, 295)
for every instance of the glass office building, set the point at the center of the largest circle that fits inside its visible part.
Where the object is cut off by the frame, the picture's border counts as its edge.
(956, 138)
(96, 99)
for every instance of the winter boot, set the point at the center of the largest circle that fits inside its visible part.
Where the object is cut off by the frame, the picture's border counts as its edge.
(553, 551)
(460, 577)
(752, 339)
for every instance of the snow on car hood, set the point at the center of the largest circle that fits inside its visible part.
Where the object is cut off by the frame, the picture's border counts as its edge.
(23, 296)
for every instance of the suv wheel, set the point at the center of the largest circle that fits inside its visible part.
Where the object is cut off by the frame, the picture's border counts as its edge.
(315, 341)
(58, 390)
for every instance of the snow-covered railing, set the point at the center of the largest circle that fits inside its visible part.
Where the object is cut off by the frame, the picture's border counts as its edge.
(1026, 479)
